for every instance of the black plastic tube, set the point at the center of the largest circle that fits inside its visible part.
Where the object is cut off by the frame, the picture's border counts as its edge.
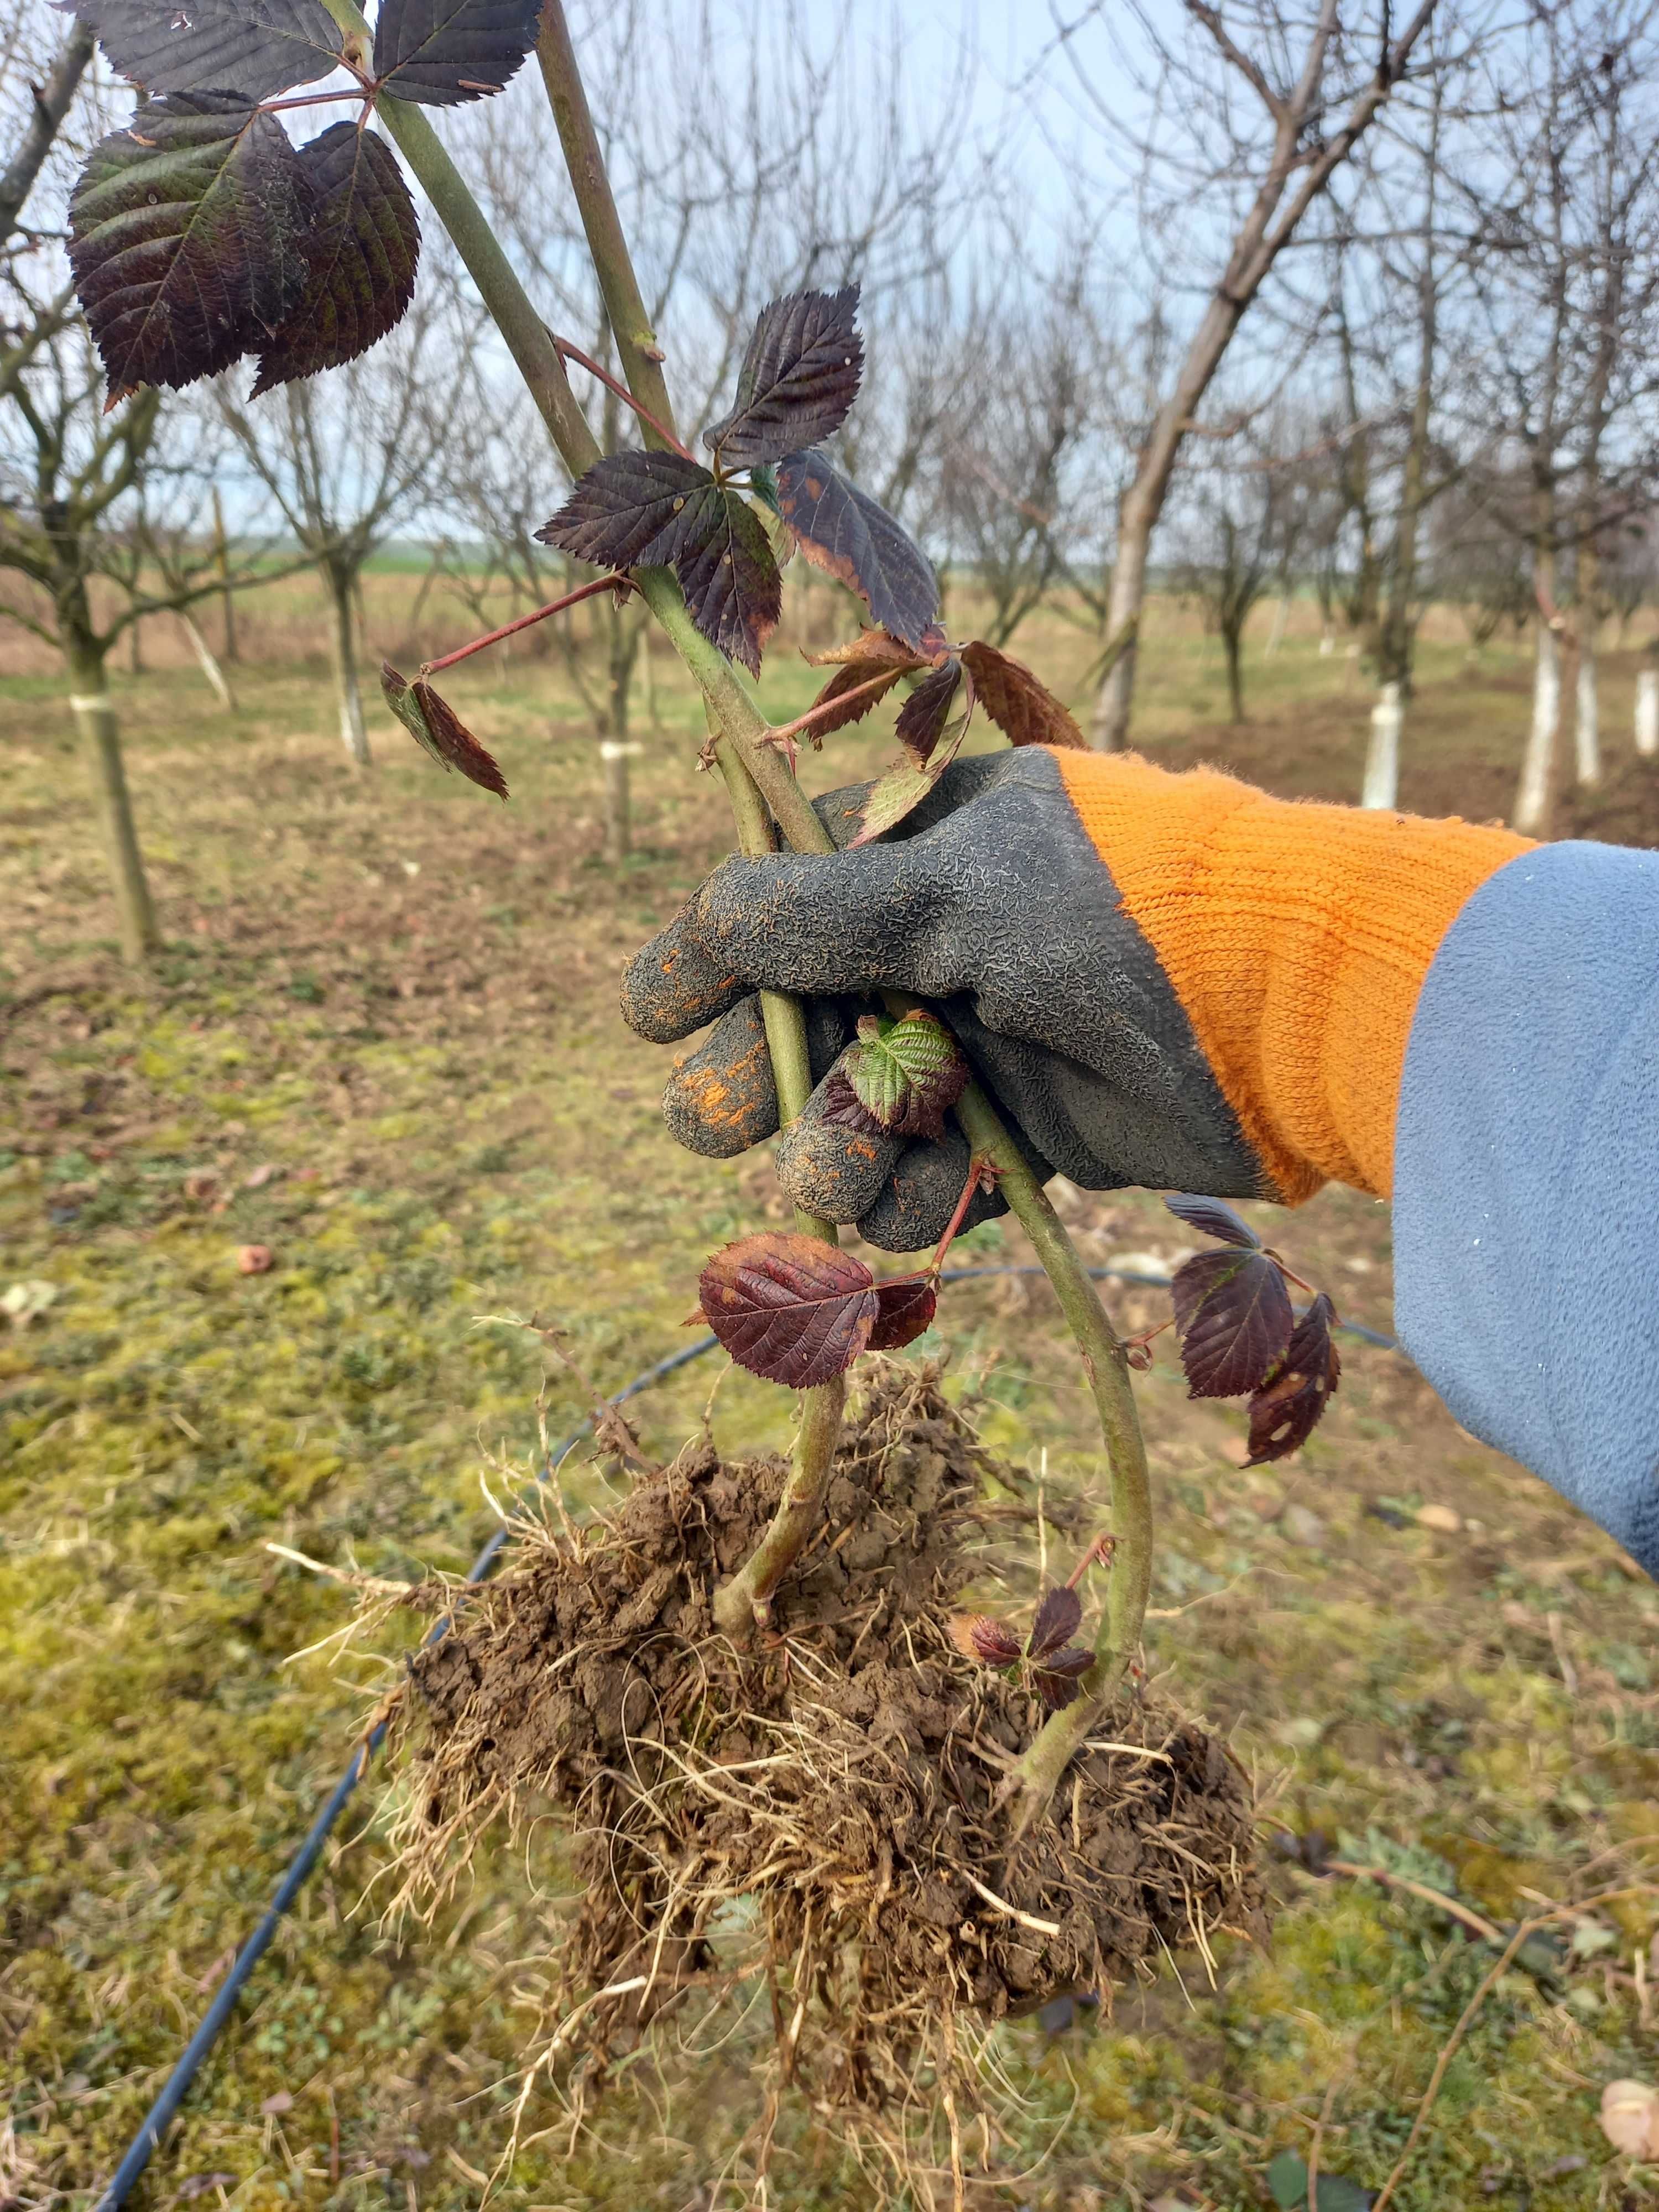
(160, 2114)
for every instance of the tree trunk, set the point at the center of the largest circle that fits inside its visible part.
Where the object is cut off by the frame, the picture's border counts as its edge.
(1647, 712)
(1532, 803)
(135, 650)
(210, 668)
(1231, 645)
(1587, 725)
(1281, 615)
(343, 640)
(101, 743)
(1109, 732)
(615, 751)
(1381, 785)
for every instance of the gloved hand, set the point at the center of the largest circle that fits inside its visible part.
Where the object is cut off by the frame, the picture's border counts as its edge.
(1174, 980)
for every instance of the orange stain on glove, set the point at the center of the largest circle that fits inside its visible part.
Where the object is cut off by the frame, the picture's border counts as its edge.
(1296, 937)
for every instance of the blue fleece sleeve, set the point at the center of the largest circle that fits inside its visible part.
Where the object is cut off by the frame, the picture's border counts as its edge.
(1527, 1177)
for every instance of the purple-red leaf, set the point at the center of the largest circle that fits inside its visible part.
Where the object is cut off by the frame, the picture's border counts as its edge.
(1285, 1411)
(976, 1636)
(923, 717)
(846, 534)
(870, 656)
(842, 1106)
(433, 724)
(905, 1308)
(1059, 1617)
(905, 785)
(363, 250)
(799, 376)
(1056, 1681)
(1023, 709)
(726, 572)
(1212, 1218)
(788, 1307)
(617, 512)
(1233, 1313)
(188, 233)
(441, 52)
(254, 47)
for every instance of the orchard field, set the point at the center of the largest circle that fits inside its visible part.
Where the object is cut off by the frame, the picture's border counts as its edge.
(382, 1043)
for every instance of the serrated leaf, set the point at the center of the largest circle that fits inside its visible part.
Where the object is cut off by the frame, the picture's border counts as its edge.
(1233, 1314)
(853, 678)
(926, 713)
(1023, 709)
(727, 573)
(1212, 1218)
(799, 376)
(846, 534)
(1056, 1681)
(905, 1310)
(906, 785)
(363, 250)
(1059, 1617)
(1285, 1410)
(441, 52)
(876, 648)
(788, 1307)
(906, 1073)
(977, 1635)
(187, 237)
(616, 513)
(840, 1106)
(433, 724)
(254, 47)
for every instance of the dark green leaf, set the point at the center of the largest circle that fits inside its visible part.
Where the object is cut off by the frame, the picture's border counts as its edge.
(254, 47)
(844, 532)
(1212, 1218)
(1285, 1410)
(1233, 1313)
(617, 515)
(441, 52)
(799, 376)
(1287, 2181)
(433, 724)
(362, 249)
(188, 237)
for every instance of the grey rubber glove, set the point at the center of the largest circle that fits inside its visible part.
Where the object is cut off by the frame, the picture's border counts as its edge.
(991, 903)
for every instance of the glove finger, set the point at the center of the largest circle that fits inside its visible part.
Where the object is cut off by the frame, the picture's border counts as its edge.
(830, 1168)
(676, 984)
(721, 1099)
(913, 1208)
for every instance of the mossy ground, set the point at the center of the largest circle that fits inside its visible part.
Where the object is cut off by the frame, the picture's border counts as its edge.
(382, 1043)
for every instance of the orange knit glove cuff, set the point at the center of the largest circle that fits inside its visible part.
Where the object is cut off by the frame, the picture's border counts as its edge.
(1296, 937)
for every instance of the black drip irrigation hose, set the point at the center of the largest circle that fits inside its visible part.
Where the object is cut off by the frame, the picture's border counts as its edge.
(162, 2112)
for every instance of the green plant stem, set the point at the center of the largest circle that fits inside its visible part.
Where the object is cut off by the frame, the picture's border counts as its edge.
(624, 306)
(754, 772)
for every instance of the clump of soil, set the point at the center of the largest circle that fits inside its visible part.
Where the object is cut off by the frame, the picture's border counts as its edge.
(821, 1810)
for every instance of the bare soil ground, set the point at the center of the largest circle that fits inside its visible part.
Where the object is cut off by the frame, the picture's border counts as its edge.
(382, 1043)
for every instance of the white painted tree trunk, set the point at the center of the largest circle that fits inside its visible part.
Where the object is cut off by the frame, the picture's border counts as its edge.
(210, 668)
(1382, 787)
(1326, 643)
(1647, 712)
(1587, 724)
(1533, 798)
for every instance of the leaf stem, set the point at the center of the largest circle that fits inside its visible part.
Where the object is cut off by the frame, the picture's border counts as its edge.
(363, 92)
(568, 352)
(977, 1177)
(615, 581)
(781, 732)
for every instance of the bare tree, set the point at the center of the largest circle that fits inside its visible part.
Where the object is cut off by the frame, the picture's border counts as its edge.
(346, 461)
(1240, 107)
(1243, 526)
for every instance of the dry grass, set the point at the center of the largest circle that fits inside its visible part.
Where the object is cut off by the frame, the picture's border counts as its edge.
(400, 998)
